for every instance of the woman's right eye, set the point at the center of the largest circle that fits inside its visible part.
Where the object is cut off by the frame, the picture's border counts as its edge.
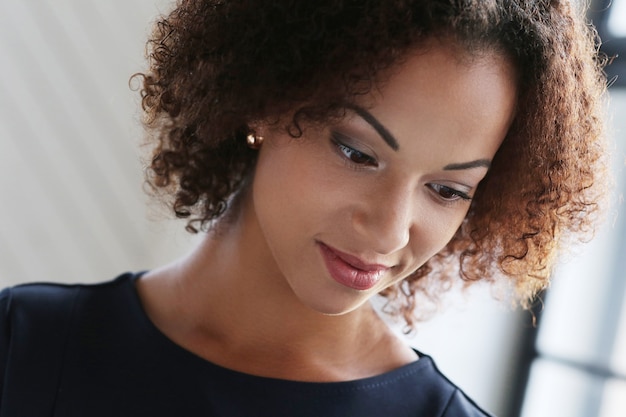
(354, 156)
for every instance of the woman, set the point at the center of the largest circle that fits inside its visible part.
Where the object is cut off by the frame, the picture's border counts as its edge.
(331, 151)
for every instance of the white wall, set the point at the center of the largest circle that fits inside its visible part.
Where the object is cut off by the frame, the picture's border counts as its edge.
(72, 208)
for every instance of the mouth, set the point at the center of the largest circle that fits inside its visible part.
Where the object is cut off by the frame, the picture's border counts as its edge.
(351, 271)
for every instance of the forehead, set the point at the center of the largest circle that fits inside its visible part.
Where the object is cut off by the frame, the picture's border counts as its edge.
(434, 59)
(443, 94)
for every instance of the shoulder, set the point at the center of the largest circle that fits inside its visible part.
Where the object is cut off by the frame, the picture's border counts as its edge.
(35, 298)
(35, 323)
(460, 405)
(45, 300)
(452, 400)
(39, 308)
(34, 309)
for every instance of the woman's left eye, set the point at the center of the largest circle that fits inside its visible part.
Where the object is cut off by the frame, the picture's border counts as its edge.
(449, 194)
(355, 156)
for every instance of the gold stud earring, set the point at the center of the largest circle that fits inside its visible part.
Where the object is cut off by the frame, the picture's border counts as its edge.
(254, 141)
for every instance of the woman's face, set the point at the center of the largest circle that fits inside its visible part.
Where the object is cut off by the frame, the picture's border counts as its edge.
(352, 208)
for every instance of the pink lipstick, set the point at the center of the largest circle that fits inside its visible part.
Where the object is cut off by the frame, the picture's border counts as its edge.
(351, 271)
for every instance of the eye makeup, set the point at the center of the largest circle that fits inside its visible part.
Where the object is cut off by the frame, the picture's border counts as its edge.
(346, 148)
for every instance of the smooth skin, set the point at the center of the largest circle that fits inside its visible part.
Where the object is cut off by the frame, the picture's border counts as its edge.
(389, 185)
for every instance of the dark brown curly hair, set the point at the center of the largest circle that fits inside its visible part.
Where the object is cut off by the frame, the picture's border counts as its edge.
(218, 66)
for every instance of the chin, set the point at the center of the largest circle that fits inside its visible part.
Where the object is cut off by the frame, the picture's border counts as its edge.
(327, 307)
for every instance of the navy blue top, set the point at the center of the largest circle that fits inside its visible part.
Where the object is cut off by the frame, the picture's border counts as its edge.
(90, 350)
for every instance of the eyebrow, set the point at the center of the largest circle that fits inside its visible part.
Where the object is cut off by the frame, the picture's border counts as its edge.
(393, 143)
(382, 130)
(468, 165)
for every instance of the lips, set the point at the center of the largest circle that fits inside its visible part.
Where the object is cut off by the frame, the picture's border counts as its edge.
(351, 271)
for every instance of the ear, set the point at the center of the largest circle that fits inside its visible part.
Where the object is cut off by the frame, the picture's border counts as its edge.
(258, 128)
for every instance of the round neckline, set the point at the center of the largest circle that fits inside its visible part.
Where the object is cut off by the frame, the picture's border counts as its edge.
(421, 364)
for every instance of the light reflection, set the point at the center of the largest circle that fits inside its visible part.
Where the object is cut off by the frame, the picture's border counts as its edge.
(617, 19)
(614, 399)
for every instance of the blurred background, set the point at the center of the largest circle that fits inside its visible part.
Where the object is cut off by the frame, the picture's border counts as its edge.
(72, 209)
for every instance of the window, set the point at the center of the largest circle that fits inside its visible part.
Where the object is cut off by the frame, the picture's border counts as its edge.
(578, 366)
(616, 20)
(609, 17)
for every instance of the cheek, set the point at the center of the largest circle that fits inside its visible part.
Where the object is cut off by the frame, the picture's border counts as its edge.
(433, 231)
(299, 179)
(288, 191)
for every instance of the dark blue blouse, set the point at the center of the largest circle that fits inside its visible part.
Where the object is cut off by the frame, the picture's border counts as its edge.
(91, 351)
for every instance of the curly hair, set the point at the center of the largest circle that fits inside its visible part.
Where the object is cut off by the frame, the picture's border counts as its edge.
(218, 66)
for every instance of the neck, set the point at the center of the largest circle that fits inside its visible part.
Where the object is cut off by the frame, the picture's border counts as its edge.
(240, 312)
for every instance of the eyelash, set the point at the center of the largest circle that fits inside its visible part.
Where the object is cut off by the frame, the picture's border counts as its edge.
(457, 195)
(347, 152)
(353, 156)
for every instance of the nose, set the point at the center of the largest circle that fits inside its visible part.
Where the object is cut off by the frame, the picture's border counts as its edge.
(384, 218)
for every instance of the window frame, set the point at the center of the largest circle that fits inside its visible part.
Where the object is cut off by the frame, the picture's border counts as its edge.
(614, 48)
